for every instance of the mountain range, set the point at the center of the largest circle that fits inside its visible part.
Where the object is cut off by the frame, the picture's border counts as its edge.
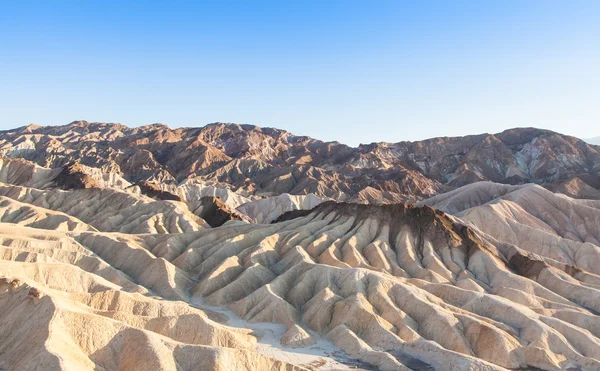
(233, 247)
(265, 161)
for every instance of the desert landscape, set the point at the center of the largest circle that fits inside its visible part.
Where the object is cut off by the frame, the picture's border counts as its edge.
(236, 247)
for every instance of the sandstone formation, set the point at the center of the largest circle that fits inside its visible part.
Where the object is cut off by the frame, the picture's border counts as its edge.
(269, 162)
(110, 210)
(576, 187)
(65, 308)
(388, 285)
(266, 210)
(227, 248)
(216, 212)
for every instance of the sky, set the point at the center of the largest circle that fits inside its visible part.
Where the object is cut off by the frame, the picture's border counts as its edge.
(351, 71)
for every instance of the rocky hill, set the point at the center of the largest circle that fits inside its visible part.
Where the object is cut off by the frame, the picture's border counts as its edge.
(159, 249)
(511, 281)
(266, 161)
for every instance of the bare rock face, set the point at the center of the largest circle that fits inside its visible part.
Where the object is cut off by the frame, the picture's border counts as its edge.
(394, 286)
(297, 337)
(216, 212)
(73, 176)
(576, 187)
(154, 191)
(234, 247)
(106, 210)
(268, 209)
(266, 161)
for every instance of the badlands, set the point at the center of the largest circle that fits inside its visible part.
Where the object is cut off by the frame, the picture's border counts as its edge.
(233, 247)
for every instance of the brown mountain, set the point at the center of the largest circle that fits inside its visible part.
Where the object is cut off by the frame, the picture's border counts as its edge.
(267, 161)
(129, 250)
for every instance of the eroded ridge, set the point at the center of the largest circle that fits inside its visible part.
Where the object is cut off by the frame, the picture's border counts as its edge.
(64, 307)
(385, 284)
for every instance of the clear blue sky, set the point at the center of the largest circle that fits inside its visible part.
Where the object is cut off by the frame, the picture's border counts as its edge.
(352, 71)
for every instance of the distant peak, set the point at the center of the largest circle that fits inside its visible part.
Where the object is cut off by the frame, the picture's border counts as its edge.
(79, 123)
(154, 126)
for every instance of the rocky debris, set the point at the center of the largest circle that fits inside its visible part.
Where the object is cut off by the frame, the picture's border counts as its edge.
(8, 284)
(35, 294)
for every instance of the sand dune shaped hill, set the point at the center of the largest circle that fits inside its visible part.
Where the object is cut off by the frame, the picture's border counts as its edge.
(75, 312)
(99, 273)
(88, 181)
(268, 209)
(170, 243)
(111, 210)
(395, 287)
(554, 226)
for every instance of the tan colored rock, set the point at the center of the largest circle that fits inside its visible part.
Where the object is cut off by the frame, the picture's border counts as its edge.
(297, 337)
(508, 282)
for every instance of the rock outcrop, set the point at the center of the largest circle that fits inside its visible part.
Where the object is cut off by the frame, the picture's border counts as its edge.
(216, 212)
(235, 247)
(391, 285)
(267, 162)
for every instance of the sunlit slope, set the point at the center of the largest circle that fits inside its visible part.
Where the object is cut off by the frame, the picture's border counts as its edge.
(509, 282)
